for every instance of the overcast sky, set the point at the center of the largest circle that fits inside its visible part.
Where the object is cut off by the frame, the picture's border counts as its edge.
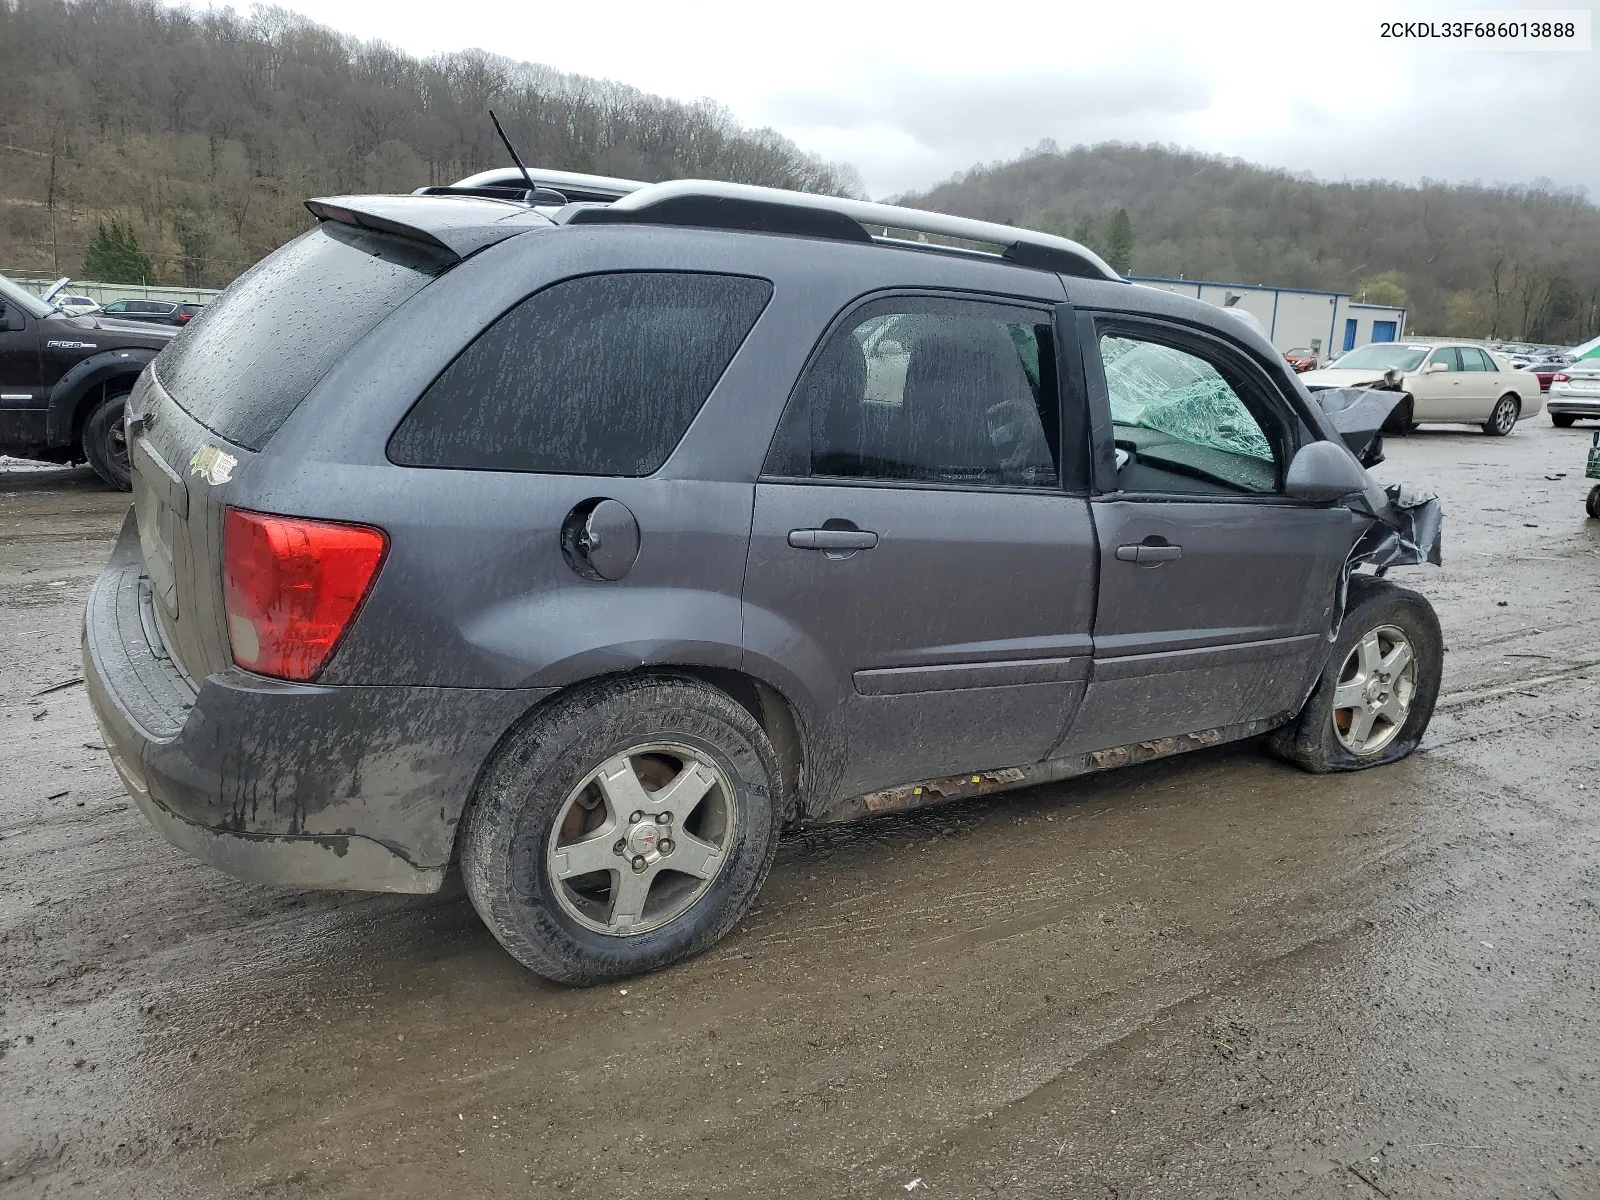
(912, 93)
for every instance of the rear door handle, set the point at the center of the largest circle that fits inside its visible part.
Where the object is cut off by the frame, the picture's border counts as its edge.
(1149, 555)
(832, 539)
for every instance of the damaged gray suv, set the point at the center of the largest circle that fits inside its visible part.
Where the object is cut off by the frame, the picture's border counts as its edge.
(595, 532)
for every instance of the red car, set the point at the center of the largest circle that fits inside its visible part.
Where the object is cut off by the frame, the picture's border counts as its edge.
(1546, 371)
(1301, 358)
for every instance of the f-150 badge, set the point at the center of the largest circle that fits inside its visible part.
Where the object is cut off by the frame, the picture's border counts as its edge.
(212, 465)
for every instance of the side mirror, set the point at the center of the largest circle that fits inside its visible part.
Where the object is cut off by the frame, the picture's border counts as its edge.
(10, 319)
(1324, 473)
(1438, 366)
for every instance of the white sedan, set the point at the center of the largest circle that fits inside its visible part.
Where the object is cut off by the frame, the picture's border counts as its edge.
(1446, 381)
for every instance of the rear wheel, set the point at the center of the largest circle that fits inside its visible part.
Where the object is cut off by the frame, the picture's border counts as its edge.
(626, 827)
(1503, 418)
(105, 441)
(1375, 697)
(1562, 420)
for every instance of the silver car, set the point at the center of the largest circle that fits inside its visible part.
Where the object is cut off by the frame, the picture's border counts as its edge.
(1574, 393)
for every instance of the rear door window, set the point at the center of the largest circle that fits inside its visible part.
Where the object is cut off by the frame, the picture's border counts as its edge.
(281, 326)
(928, 390)
(1473, 359)
(599, 375)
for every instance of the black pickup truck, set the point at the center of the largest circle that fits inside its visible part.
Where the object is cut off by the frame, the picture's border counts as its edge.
(63, 380)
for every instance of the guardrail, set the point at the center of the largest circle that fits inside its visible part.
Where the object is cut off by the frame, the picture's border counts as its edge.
(104, 293)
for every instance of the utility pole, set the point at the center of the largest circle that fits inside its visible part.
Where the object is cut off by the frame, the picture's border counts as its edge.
(55, 226)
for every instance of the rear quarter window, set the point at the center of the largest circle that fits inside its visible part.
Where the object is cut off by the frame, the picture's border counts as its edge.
(599, 375)
(267, 341)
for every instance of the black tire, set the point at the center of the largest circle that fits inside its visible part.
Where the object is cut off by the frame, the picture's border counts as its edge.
(1562, 420)
(507, 833)
(1503, 418)
(1311, 740)
(1592, 504)
(105, 442)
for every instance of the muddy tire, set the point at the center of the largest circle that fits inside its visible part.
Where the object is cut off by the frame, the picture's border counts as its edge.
(1562, 420)
(1503, 418)
(1329, 734)
(105, 442)
(659, 783)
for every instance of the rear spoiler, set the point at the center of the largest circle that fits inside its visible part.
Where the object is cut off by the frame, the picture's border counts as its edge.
(460, 226)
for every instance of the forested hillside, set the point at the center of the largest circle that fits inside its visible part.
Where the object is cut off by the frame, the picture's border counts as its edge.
(187, 140)
(1472, 261)
(202, 132)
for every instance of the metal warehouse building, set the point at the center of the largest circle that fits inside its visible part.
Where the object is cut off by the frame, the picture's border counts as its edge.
(1328, 322)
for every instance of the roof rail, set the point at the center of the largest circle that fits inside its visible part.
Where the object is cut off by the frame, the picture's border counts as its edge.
(520, 195)
(579, 189)
(716, 205)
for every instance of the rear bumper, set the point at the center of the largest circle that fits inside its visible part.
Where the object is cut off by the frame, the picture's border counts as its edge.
(293, 784)
(1577, 406)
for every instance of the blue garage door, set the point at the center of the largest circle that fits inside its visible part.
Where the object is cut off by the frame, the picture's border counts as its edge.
(1350, 334)
(1383, 331)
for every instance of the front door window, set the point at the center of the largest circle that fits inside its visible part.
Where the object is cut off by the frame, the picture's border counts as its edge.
(1180, 426)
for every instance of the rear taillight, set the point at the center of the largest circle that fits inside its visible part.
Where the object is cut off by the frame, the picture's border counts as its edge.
(183, 318)
(291, 587)
(1561, 377)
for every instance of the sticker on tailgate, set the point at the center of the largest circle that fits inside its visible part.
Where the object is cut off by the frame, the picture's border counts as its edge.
(212, 465)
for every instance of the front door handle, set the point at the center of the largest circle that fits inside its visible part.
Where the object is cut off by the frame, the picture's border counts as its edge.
(1147, 554)
(832, 539)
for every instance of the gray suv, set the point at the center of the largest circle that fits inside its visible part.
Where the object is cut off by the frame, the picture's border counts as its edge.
(595, 543)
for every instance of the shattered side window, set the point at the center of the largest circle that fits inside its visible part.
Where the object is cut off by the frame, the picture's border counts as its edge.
(1176, 415)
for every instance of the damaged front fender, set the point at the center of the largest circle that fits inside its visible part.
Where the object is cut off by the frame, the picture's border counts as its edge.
(1358, 415)
(1407, 528)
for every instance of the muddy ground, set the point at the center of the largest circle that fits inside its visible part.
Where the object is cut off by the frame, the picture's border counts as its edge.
(1213, 976)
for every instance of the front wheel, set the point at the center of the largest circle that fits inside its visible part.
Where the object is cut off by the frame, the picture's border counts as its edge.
(1592, 504)
(1375, 697)
(1503, 418)
(105, 442)
(627, 826)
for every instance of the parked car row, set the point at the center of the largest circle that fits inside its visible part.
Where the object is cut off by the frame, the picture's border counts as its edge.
(159, 312)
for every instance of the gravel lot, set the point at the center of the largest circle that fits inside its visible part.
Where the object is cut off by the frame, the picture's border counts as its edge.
(1211, 976)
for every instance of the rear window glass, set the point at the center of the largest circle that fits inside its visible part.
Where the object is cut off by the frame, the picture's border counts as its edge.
(593, 376)
(255, 352)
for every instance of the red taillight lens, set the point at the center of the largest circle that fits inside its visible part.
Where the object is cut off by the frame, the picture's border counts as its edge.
(291, 587)
(183, 318)
(1561, 377)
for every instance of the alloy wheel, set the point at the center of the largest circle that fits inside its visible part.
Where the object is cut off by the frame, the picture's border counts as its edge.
(1373, 696)
(641, 839)
(118, 439)
(1504, 419)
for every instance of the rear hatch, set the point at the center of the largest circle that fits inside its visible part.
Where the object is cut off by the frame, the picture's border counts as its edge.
(214, 398)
